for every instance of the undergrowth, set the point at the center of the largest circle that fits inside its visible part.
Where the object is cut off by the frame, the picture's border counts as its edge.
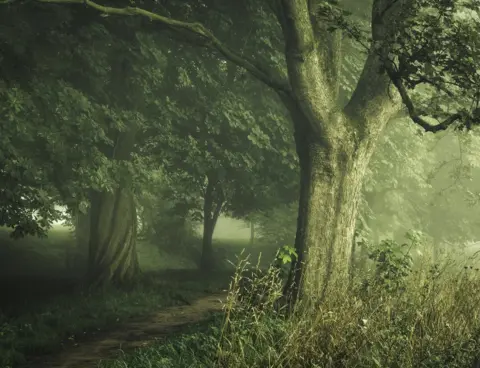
(396, 316)
(67, 320)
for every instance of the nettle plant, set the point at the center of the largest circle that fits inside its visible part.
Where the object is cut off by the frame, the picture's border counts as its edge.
(393, 262)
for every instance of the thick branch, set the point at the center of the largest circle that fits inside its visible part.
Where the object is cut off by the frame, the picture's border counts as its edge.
(258, 71)
(412, 112)
(309, 81)
(329, 41)
(386, 18)
(374, 101)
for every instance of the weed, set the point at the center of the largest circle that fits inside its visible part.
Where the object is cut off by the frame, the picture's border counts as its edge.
(428, 318)
(67, 320)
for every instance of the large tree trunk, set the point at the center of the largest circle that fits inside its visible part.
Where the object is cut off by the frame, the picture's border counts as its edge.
(334, 143)
(330, 186)
(211, 212)
(113, 255)
(331, 179)
(113, 229)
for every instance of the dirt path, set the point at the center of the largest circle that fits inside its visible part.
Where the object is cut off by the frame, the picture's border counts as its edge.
(133, 334)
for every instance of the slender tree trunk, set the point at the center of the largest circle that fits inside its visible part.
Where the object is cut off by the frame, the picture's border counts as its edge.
(82, 230)
(113, 255)
(211, 212)
(78, 252)
(252, 232)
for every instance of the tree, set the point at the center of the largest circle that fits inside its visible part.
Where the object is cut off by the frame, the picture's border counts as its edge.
(218, 157)
(334, 143)
(70, 129)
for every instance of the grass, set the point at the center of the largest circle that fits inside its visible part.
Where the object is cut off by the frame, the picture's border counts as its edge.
(433, 322)
(65, 319)
(42, 312)
(195, 347)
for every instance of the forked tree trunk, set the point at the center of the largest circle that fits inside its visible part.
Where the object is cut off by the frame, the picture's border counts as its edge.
(113, 256)
(331, 178)
(211, 212)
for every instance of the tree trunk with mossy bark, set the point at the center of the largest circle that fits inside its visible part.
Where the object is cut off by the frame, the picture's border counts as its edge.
(330, 184)
(113, 254)
(113, 228)
(334, 147)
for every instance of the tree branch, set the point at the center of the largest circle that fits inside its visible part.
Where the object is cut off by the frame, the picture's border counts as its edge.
(325, 20)
(412, 111)
(374, 100)
(258, 71)
(387, 17)
(309, 81)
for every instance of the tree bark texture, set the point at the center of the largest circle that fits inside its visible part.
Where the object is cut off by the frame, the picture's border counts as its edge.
(113, 254)
(113, 229)
(330, 185)
(334, 144)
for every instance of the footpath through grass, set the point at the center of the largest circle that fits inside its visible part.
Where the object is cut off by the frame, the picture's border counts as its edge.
(432, 321)
(66, 320)
(43, 312)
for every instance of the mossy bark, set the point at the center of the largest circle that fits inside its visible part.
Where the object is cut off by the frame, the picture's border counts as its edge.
(113, 255)
(330, 184)
(334, 142)
(113, 228)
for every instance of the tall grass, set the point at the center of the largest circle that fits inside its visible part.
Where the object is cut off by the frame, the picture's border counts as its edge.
(432, 320)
